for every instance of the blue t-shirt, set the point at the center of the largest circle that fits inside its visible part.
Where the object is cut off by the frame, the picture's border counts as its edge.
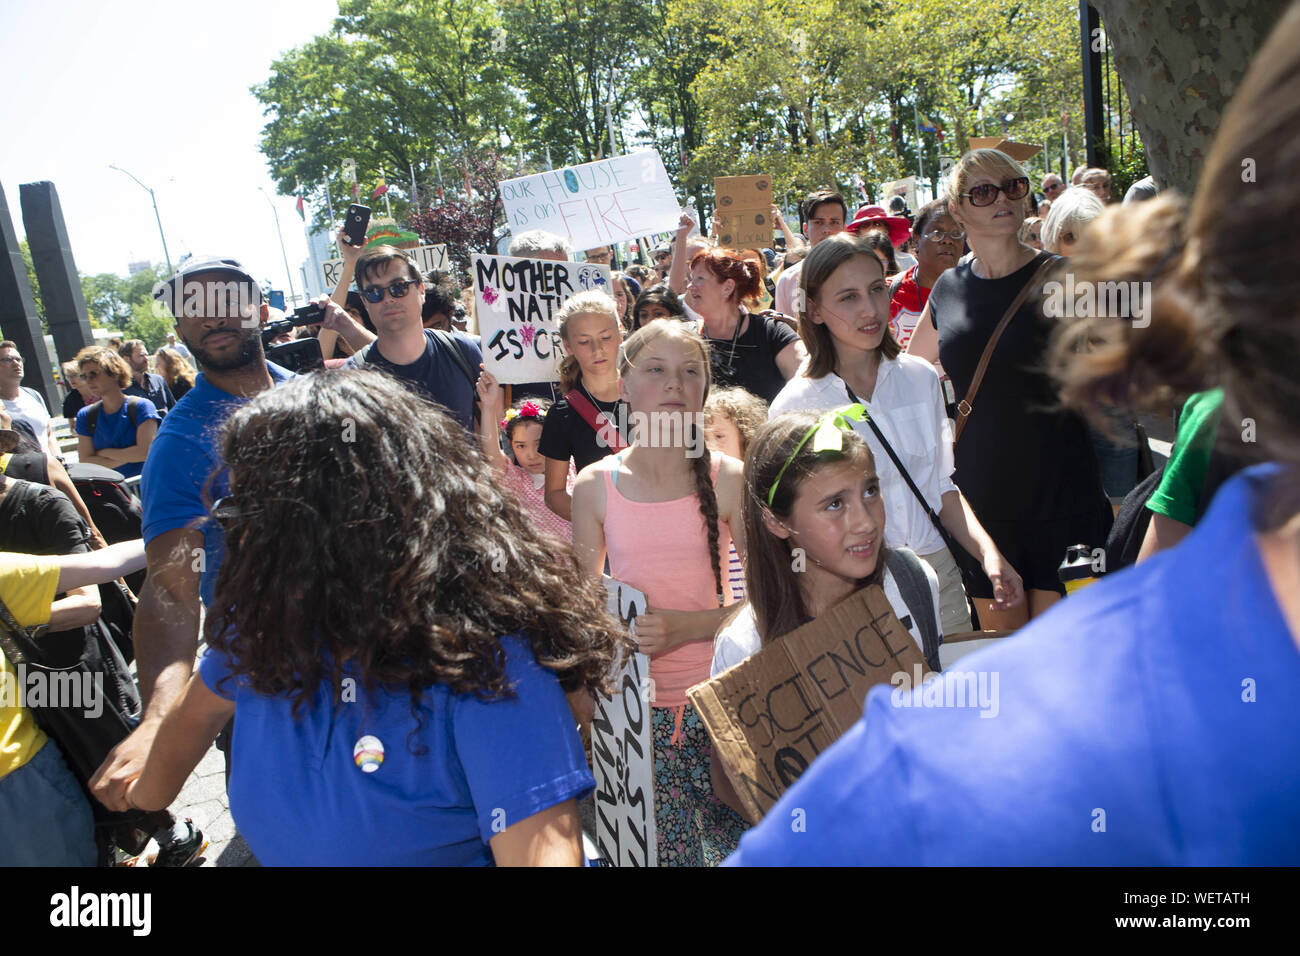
(1160, 703)
(301, 798)
(116, 430)
(436, 375)
(181, 460)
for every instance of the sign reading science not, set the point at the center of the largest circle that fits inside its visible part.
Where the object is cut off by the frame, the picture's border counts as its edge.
(515, 301)
(595, 204)
(772, 715)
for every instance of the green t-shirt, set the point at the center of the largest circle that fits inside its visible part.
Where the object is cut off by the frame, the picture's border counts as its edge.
(1179, 494)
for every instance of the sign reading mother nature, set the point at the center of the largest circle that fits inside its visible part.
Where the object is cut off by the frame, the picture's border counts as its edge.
(595, 204)
(515, 301)
(622, 750)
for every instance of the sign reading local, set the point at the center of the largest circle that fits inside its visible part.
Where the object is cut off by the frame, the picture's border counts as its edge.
(595, 204)
(428, 258)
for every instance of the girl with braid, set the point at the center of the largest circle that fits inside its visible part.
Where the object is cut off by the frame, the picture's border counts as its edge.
(665, 510)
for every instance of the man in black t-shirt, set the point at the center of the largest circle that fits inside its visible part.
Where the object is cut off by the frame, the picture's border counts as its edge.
(145, 384)
(405, 348)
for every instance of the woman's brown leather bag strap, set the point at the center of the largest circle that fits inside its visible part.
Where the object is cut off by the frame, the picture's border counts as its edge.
(964, 407)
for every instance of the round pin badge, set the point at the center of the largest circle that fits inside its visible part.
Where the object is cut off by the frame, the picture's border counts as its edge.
(368, 753)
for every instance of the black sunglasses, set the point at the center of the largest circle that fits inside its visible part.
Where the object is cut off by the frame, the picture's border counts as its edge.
(397, 290)
(986, 193)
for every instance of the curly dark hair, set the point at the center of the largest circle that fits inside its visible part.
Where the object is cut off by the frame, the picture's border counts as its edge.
(353, 537)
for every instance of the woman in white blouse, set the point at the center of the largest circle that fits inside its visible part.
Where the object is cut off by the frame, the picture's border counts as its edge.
(844, 322)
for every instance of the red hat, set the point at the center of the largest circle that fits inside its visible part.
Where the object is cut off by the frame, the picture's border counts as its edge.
(899, 228)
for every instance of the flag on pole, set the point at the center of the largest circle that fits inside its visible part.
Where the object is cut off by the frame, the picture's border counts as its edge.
(302, 206)
(929, 127)
(380, 188)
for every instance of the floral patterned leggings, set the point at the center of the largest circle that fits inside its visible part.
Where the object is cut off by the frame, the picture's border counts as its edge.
(694, 827)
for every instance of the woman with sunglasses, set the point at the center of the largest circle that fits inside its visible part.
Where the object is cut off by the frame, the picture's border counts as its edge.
(117, 430)
(939, 244)
(1027, 469)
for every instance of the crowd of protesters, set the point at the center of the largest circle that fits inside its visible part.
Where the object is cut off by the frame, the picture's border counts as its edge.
(390, 570)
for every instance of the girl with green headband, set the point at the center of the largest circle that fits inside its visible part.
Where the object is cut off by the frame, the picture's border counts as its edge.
(815, 531)
(844, 320)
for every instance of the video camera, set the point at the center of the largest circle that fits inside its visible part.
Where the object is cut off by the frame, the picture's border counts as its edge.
(300, 355)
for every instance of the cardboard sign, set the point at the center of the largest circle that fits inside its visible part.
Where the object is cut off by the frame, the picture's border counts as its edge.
(428, 258)
(1020, 152)
(622, 751)
(515, 301)
(905, 187)
(595, 204)
(744, 211)
(771, 715)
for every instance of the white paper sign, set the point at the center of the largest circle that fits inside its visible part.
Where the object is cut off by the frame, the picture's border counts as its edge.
(515, 301)
(622, 750)
(595, 204)
(428, 258)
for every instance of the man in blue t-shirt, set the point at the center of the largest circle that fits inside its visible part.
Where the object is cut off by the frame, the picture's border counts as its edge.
(218, 309)
(1150, 720)
(144, 383)
(442, 366)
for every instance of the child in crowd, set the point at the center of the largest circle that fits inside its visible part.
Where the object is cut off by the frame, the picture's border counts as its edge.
(731, 416)
(853, 358)
(525, 475)
(584, 426)
(827, 503)
(666, 512)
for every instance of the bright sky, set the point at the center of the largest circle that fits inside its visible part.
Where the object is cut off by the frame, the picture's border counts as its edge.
(160, 89)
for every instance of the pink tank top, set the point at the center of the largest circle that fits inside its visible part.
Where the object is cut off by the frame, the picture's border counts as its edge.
(662, 549)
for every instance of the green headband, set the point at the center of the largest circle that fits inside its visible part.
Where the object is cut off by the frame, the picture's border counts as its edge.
(829, 429)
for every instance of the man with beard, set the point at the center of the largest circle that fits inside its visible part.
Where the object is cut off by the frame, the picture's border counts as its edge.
(144, 383)
(219, 311)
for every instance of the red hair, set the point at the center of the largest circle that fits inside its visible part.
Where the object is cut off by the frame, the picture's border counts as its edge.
(728, 264)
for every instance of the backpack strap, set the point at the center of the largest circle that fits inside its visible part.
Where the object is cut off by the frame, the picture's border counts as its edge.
(92, 417)
(913, 585)
(606, 430)
(449, 342)
(133, 410)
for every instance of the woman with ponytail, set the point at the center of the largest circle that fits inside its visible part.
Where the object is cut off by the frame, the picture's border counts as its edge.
(750, 350)
(586, 425)
(1131, 730)
(666, 510)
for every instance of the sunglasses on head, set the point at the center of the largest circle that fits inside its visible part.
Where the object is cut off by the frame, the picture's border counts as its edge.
(397, 290)
(986, 193)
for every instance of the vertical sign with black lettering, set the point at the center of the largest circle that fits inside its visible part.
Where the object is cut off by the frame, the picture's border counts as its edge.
(622, 750)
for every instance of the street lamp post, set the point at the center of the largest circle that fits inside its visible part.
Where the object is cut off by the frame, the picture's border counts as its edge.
(166, 254)
(288, 274)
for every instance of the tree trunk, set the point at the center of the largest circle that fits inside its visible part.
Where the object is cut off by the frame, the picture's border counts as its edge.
(1181, 61)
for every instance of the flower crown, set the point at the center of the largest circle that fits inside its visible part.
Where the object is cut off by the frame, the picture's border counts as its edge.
(526, 410)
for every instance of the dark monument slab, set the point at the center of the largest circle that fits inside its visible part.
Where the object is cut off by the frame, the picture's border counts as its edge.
(18, 318)
(47, 237)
